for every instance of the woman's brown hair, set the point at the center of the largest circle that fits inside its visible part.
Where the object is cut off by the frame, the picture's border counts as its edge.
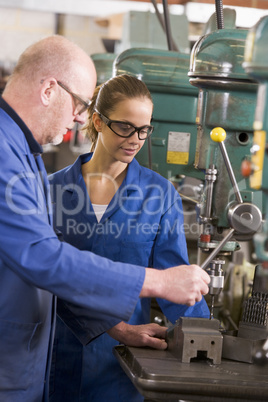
(106, 97)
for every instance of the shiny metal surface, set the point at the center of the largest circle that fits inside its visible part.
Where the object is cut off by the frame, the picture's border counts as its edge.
(158, 375)
(216, 274)
(245, 218)
(219, 54)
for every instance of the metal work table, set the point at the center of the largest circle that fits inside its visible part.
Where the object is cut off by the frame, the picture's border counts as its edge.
(159, 376)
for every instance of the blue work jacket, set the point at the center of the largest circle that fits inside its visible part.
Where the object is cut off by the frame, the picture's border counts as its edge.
(143, 224)
(35, 265)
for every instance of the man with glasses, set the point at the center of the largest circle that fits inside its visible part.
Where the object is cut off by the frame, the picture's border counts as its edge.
(38, 106)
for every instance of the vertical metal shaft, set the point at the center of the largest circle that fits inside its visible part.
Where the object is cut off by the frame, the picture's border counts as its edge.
(210, 179)
(219, 14)
(212, 307)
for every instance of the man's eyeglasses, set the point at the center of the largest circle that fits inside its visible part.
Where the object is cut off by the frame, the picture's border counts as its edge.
(80, 104)
(126, 130)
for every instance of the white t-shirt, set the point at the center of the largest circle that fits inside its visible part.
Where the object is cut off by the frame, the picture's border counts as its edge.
(99, 210)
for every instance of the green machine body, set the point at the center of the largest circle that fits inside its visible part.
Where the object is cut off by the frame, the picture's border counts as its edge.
(227, 99)
(256, 66)
(104, 66)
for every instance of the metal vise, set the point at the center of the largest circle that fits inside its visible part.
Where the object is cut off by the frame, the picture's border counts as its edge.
(195, 338)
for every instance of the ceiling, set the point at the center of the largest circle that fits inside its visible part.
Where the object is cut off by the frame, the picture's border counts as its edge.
(196, 10)
(262, 4)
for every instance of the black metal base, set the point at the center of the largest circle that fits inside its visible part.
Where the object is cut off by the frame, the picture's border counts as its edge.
(159, 376)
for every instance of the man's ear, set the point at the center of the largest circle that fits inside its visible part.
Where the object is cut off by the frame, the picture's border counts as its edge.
(48, 90)
(97, 121)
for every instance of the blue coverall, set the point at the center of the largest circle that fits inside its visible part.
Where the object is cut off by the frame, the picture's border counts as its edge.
(34, 265)
(143, 224)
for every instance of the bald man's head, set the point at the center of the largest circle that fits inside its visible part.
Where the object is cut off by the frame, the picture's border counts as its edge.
(52, 56)
(46, 85)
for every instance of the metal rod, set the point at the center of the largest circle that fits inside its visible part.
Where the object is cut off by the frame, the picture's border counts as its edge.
(219, 14)
(185, 197)
(212, 307)
(167, 24)
(209, 193)
(217, 249)
(210, 173)
(162, 23)
(230, 172)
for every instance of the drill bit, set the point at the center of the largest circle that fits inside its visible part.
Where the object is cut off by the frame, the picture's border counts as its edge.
(212, 307)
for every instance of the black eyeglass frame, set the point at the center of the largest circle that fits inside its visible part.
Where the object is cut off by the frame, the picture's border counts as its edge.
(108, 123)
(77, 97)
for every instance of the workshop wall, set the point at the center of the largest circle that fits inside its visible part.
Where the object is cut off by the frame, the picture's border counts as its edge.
(20, 28)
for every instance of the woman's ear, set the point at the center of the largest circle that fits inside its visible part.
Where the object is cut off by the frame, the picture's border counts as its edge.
(97, 121)
(47, 90)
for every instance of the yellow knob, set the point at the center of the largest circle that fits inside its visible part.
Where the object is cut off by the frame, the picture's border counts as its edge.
(218, 134)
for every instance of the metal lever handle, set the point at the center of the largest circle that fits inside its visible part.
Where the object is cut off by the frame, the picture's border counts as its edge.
(218, 134)
(217, 249)
(244, 217)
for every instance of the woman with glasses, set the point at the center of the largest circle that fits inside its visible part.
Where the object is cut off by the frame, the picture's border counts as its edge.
(109, 204)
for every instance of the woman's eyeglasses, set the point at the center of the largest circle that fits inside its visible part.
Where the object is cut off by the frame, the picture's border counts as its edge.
(126, 130)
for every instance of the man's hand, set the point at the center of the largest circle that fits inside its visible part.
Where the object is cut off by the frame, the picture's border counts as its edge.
(184, 284)
(152, 335)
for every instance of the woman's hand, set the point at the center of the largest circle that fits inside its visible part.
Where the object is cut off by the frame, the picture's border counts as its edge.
(152, 335)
